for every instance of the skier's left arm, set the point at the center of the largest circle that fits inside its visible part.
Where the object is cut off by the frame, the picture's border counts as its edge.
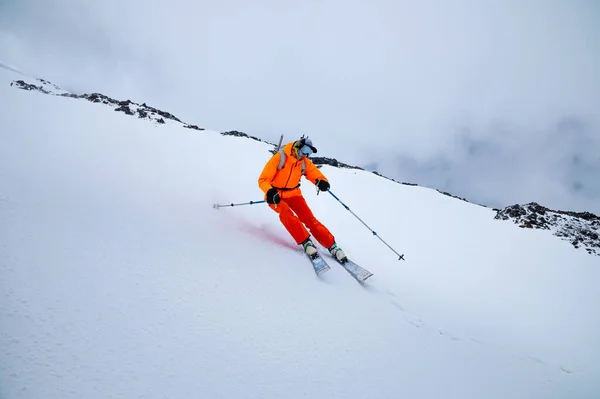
(315, 176)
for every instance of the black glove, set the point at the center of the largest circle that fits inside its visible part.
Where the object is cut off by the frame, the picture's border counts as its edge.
(323, 185)
(273, 196)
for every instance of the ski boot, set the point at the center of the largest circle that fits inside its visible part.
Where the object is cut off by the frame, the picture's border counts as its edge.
(337, 253)
(309, 248)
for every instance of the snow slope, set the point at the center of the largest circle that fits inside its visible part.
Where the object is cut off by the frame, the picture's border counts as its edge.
(119, 279)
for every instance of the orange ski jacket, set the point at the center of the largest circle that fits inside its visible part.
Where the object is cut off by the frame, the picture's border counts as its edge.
(286, 179)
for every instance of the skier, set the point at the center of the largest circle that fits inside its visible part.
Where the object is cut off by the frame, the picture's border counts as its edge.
(280, 181)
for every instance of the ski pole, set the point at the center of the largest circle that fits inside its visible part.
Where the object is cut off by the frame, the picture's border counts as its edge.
(217, 206)
(401, 257)
(279, 145)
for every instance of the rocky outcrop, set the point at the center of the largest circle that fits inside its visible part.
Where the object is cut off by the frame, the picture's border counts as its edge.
(235, 133)
(125, 109)
(43, 86)
(395, 181)
(193, 127)
(99, 98)
(581, 229)
(333, 162)
(128, 107)
(28, 86)
(450, 195)
(164, 114)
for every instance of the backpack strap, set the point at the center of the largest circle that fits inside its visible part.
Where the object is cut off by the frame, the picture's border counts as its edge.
(282, 158)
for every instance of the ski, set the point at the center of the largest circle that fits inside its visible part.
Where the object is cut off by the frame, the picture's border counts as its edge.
(320, 266)
(318, 263)
(356, 271)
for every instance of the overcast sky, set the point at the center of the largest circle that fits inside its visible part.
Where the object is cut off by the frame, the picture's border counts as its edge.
(495, 101)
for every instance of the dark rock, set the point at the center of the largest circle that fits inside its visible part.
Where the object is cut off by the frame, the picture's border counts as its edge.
(450, 195)
(124, 108)
(193, 127)
(241, 134)
(333, 162)
(579, 228)
(395, 181)
(30, 87)
(94, 98)
(164, 114)
(97, 98)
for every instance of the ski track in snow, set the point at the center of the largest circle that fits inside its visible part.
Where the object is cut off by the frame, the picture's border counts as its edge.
(417, 322)
(389, 296)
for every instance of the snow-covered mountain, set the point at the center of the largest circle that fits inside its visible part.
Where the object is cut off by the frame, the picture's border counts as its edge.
(119, 278)
(581, 229)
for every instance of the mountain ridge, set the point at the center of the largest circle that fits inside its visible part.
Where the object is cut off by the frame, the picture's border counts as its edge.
(581, 229)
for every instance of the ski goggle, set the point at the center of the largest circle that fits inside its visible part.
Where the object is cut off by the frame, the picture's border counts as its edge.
(306, 150)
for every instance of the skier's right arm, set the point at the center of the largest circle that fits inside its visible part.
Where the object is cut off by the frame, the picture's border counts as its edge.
(268, 173)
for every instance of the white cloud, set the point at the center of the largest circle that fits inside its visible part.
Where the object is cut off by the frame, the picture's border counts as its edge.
(369, 81)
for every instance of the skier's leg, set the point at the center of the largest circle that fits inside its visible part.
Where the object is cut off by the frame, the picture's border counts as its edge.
(321, 233)
(290, 221)
(294, 226)
(318, 230)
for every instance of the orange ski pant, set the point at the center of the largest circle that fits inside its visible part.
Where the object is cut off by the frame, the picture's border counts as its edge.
(294, 213)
